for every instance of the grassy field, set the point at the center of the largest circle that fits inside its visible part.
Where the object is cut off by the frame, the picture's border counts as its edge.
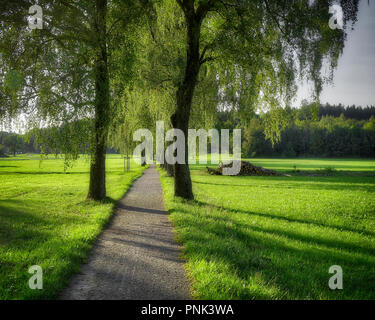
(45, 220)
(276, 237)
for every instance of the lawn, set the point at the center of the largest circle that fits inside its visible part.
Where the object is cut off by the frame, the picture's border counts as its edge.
(45, 220)
(276, 237)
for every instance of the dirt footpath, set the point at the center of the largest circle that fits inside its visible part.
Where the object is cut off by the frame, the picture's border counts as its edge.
(135, 257)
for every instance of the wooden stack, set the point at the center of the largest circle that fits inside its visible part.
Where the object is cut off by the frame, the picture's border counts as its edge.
(247, 169)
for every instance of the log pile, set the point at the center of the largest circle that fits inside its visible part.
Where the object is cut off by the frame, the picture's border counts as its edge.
(247, 169)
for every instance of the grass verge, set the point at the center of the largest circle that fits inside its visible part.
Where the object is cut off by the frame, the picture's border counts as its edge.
(46, 221)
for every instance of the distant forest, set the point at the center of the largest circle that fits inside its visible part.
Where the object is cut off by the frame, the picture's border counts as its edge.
(327, 131)
(349, 112)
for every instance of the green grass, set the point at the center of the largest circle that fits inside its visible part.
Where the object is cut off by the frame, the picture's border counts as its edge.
(276, 237)
(343, 164)
(45, 220)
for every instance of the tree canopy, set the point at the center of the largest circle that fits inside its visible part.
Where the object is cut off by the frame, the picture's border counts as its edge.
(116, 65)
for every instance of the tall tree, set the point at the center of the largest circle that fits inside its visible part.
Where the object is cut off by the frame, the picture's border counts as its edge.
(258, 48)
(97, 187)
(61, 73)
(160, 69)
(14, 142)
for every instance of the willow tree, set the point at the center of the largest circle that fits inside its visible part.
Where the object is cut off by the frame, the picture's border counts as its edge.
(161, 63)
(258, 48)
(61, 73)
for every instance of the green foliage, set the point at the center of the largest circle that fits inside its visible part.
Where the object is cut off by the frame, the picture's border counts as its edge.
(13, 142)
(370, 125)
(349, 112)
(98, 59)
(254, 140)
(2, 150)
(13, 80)
(59, 65)
(258, 50)
(304, 135)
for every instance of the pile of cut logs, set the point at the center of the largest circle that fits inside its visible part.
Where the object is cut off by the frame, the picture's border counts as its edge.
(247, 169)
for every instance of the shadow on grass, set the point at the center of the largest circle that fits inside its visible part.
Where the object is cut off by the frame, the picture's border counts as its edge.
(296, 270)
(302, 182)
(31, 239)
(40, 172)
(282, 218)
(20, 226)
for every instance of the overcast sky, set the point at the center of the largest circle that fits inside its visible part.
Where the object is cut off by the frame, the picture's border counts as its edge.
(354, 78)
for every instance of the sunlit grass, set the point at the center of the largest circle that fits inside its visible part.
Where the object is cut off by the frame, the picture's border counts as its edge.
(276, 237)
(46, 220)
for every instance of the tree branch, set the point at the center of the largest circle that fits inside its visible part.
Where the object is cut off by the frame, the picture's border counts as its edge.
(206, 60)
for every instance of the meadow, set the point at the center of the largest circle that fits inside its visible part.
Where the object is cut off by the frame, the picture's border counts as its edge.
(243, 237)
(276, 237)
(46, 220)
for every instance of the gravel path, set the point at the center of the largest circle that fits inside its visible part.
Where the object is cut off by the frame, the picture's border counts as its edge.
(135, 257)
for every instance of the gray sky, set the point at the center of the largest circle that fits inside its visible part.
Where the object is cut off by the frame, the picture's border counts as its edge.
(354, 78)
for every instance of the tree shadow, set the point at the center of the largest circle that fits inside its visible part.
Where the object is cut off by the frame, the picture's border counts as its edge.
(314, 183)
(21, 226)
(11, 220)
(40, 172)
(288, 219)
(298, 271)
(139, 209)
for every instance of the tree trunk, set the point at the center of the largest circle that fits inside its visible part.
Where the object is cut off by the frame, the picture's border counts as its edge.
(97, 188)
(185, 92)
(170, 169)
(143, 159)
(127, 158)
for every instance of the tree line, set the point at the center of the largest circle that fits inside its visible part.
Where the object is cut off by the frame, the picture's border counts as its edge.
(46, 142)
(307, 135)
(330, 134)
(349, 112)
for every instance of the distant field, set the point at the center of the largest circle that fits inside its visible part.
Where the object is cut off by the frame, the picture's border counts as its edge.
(316, 164)
(45, 219)
(276, 237)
